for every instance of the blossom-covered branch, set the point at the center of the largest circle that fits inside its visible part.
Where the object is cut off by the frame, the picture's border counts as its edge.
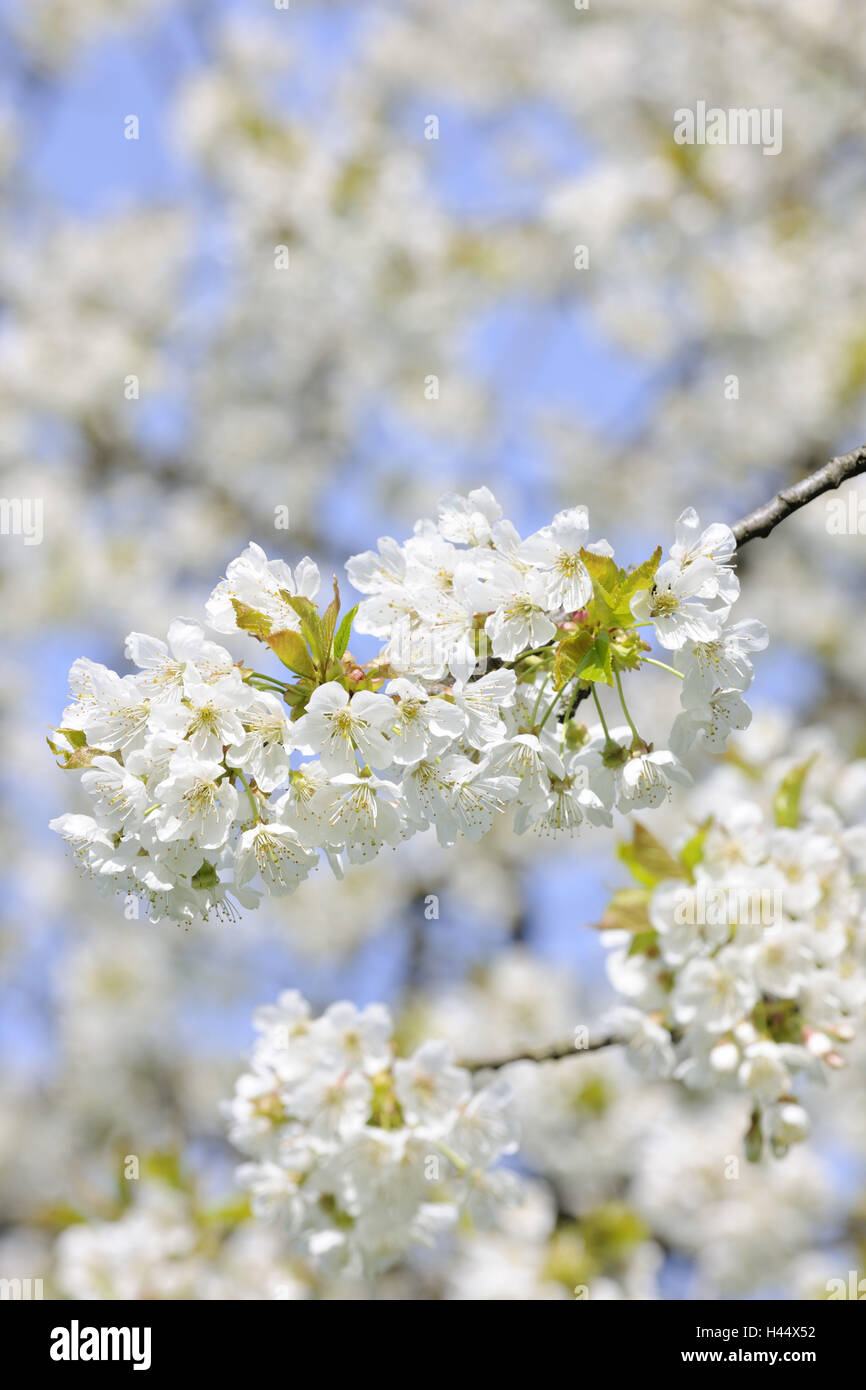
(213, 782)
(738, 947)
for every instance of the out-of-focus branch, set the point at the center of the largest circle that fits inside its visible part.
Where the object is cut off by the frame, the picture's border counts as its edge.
(767, 517)
(555, 1052)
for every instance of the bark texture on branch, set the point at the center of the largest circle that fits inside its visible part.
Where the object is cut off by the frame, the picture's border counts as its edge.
(555, 1052)
(767, 517)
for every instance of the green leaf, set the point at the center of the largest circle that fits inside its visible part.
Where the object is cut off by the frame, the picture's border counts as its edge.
(643, 942)
(786, 802)
(585, 656)
(594, 1095)
(781, 1019)
(311, 624)
(627, 911)
(329, 625)
(610, 1231)
(605, 581)
(251, 620)
(643, 577)
(615, 588)
(292, 651)
(343, 633)
(58, 1215)
(603, 570)
(596, 665)
(231, 1213)
(648, 859)
(569, 654)
(297, 696)
(165, 1166)
(692, 851)
(753, 1139)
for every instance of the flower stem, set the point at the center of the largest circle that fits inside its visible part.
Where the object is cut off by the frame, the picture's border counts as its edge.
(249, 791)
(551, 707)
(541, 690)
(272, 680)
(662, 665)
(607, 736)
(631, 725)
(459, 1163)
(530, 651)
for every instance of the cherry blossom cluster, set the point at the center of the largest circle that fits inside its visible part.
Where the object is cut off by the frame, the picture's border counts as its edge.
(358, 1154)
(168, 1243)
(212, 783)
(743, 964)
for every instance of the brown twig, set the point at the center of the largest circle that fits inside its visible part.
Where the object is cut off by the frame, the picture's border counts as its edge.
(767, 517)
(555, 1052)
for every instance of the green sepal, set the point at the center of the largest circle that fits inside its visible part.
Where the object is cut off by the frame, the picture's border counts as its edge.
(81, 755)
(779, 1019)
(205, 876)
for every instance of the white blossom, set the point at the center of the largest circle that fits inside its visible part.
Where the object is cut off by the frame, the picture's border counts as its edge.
(225, 782)
(358, 1154)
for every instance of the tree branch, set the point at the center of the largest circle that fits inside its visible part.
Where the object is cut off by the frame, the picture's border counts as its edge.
(765, 518)
(555, 1052)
